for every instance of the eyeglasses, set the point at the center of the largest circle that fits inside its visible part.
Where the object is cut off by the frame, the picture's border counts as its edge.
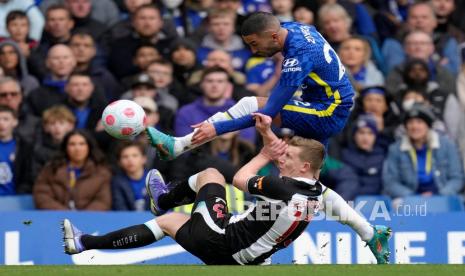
(4, 95)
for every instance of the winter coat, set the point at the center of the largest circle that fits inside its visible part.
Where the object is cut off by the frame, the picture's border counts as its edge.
(91, 191)
(122, 194)
(368, 166)
(400, 175)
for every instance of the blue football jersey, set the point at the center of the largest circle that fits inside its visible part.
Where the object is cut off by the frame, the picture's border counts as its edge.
(311, 63)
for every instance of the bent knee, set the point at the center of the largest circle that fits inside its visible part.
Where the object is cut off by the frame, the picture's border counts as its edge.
(210, 175)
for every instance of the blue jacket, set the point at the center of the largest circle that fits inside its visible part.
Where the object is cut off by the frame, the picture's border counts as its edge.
(399, 173)
(123, 195)
(368, 166)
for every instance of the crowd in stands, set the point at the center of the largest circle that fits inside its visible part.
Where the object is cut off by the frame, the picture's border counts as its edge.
(63, 61)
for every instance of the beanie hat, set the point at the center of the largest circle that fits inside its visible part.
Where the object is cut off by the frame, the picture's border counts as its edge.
(420, 111)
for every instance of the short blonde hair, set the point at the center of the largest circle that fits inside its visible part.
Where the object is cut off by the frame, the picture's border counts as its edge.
(311, 151)
(58, 113)
(221, 13)
(366, 45)
(336, 8)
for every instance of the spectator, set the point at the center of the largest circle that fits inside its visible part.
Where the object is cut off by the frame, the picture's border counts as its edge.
(33, 14)
(448, 115)
(421, 17)
(375, 101)
(189, 17)
(365, 156)
(57, 121)
(61, 62)
(303, 14)
(145, 54)
(86, 105)
(234, 6)
(104, 11)
(335, 24)
(362, 20)
(147, 24)
(183, 55)
(283, 9)
(390, 17)
(143, 86)
(214, 85)
(422, 162)
(124, 27)
(58, 26)
(18, 26)
(14, 161)
(419, 45)
(84, 49)
(14, 65)
(128, 186)
(81, 13)
(76, 180)
(443, 10)
(11, 95)
(461, 82)
(220, 58)
(161, 72)
(222, 37)
(355, 53)
(444, 104)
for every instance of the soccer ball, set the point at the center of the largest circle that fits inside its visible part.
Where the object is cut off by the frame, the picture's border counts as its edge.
(124, 119)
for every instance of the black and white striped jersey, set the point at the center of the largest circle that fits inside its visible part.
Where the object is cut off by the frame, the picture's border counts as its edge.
(281, 213)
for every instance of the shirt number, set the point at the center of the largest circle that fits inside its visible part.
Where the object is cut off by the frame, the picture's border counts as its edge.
(326, 49)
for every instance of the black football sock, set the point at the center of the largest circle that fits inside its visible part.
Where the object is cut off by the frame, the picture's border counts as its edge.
(180, 195)
(130, 237)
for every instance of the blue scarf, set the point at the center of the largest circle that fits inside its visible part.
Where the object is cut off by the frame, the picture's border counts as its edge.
(60, 84)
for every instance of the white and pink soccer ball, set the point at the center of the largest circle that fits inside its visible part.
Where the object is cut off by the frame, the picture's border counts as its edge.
(124, 119)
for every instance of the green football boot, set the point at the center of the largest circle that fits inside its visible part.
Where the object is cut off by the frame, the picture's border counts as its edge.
(379, 244)
(162, 142)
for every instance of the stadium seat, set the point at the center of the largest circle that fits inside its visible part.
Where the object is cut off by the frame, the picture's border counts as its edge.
(16, 203)
(435, 204)
(371, 204)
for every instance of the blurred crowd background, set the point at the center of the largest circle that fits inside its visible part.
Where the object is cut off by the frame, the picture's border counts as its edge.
(63, 61)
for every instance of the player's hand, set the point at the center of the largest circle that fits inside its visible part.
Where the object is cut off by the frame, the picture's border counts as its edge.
(274, 150)
(204, 133)
(262, 122)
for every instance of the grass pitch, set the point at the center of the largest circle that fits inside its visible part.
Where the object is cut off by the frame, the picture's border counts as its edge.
(286, 270)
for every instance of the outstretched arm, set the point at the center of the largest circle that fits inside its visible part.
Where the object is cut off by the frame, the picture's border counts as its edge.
(294, 70)
(273, 149)
(293, 73)
(278, 98)
(280, 95)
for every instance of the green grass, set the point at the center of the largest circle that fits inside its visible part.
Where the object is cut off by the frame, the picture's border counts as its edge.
(285, 270)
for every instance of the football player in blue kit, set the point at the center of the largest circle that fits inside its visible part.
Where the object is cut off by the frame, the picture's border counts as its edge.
(311, 66)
